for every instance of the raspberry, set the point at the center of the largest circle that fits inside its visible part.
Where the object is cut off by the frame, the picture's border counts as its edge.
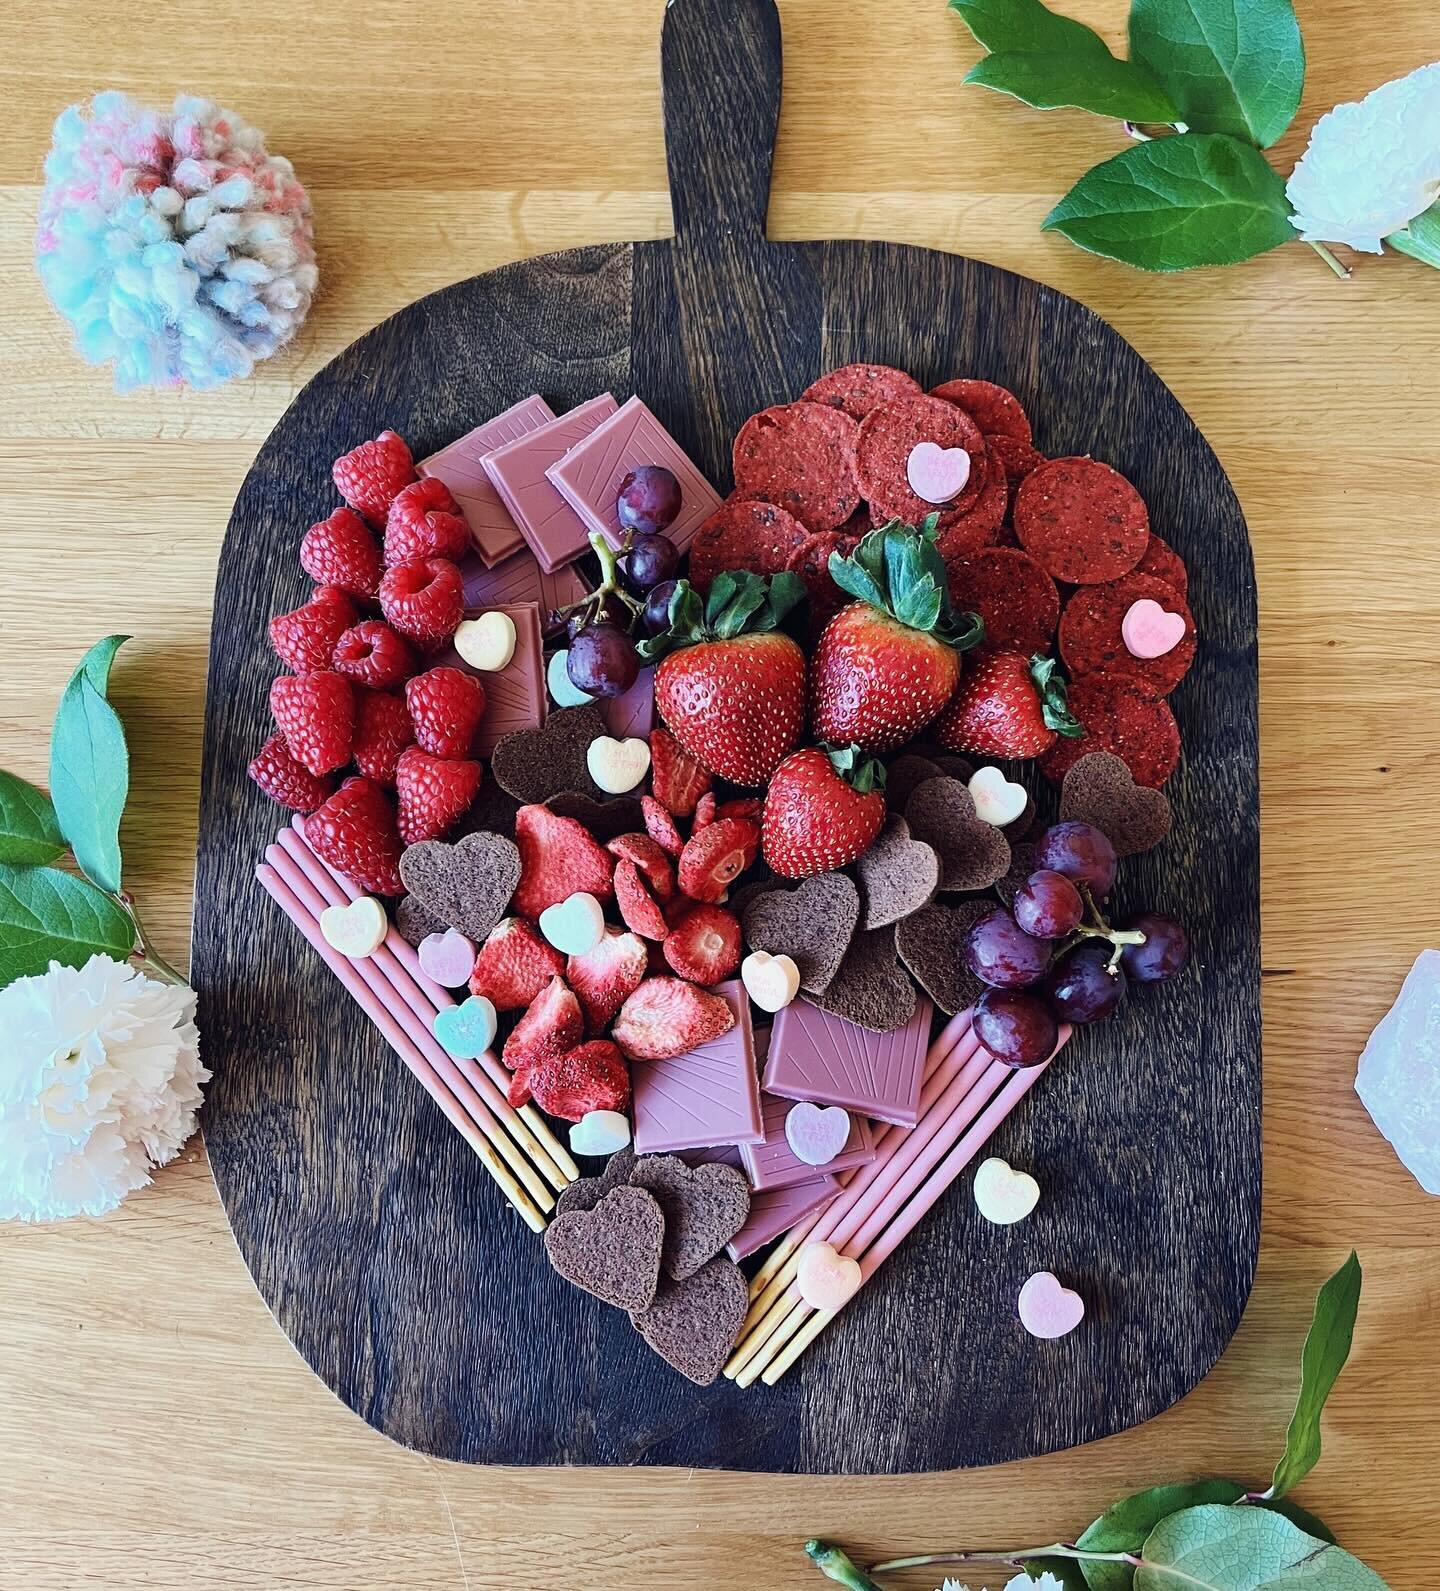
(704, 813)
(650, 858)
(665, 1017)
(316, 714)
(371, 476)
(285, 780)
(715, 857)
(446, 706)
(382, 732)
(425, 600)
(373, 654)
(433, 793)
(676, 778)
(514, 965)
(552, 1024)
(305, 638)
(605, 977)
(705, 945)
(424, 522)
(340, 551)
(355, 833)
(558, 858)
(590, 1077)
(661, 826)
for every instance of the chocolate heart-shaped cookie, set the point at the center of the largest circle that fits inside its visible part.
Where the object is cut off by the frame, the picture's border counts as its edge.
(898, 875)
(973, 854)
(604, 819)
(704, 1207)
(586, 1192)
(932, 944)
(904, 774)
(416, 922)
(871, 989)
(535, 764)
(612, 1251)
(1099, 789)
(466, 885)
(693, 1324)
(1022, 865)
(813, 925)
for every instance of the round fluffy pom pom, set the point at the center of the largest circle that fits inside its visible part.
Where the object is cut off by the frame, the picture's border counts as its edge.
(178, 248)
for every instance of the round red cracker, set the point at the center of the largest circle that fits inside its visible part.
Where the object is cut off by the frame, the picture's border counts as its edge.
(1090, 632)
(1018, 457)
(743, 534)
(859, 388)
(1162, 561)
(811, 561)
(995, 409)
(801, 457)
(1082, 521)
(980, 528)
(890, 433)
(1122, 716)
(1012, 593)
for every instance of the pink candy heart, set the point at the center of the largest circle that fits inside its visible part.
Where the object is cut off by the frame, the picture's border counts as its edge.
(1149, 631)
(937, 474)
(1047, 1309)
(448, 958)
(816, 1136)
(825, 1279)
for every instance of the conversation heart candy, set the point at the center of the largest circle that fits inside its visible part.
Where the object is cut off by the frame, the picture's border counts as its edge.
(825, 1279)
(937, 474)
(1149, 631)
(816, 1136)
(600, 1132)
(564, 693)
(998, 800)
(1002, 1195)
(772, 982)
(466, 1030)
(487, 642)
(575, 925)
(617, 765)
(1047, 1309)
(448, 958)
(355, 930)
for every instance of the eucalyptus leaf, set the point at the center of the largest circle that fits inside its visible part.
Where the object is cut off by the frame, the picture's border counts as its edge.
(29, 830)
(1231, 66)
(96, 663)
(1302, 1517)
(1124, 1526)
(47, 915)
(1097, 83)
(1327, 1347)
(1173, 203)
(1026, 25)
(90, 778)
(1239, 1548)
(1421, 238)
(1066, 1570)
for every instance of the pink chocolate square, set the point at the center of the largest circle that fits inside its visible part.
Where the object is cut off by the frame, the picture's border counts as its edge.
(514, 695)
(633, 714)
(709, 1095)
(776, 1210)
(824, 1058)
(772, 1163)
(519, 579)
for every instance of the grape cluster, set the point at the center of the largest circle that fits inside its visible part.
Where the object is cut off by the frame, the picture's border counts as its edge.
(1052, 957)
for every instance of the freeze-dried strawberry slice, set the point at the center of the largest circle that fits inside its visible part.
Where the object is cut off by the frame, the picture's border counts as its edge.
(514, 965)
(638, 906)
(592, 1076)
(705, 945)
(676, 779)
(651, 858)
(559, 857)
(553, 1024)
(661, 826)
(666, 1017)
(715, 857)
(604, 978)
(705, 809)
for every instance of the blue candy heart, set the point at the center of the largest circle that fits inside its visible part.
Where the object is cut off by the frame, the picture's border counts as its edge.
(466, 1030)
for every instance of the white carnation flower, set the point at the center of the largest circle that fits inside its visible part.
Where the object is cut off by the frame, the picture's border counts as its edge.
(1372, 167)
(100, 1079)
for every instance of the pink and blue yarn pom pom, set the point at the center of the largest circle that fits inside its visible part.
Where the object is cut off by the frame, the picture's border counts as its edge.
(176, 246)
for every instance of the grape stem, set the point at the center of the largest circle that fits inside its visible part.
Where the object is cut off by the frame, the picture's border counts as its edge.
(610, 585)
(1099, 928)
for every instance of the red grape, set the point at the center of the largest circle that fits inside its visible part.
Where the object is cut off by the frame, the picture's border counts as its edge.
(648, 561)
(1000, 953)
(1164, 953)
(1015, 1026)
(1080, 986)
(1081, 852)
(649, 499)
(602, 661)
(1047, 905)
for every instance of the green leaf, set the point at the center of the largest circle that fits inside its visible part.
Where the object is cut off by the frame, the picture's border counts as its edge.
(1421, 238)
(96, 663)
(1301, 1517)
(1054, 698)
(47, 915)
(29, 831)
(856, 579)
(1066, 1570)
(1215, 1548)
(90, 778)
(722, 592)
(1327, 1347)
(835, 1565)
(1027, 25)
(1231, 66)
(1175, 203)
(787, 592)
(746, 601)
(1124, 1525)
(1097, 83)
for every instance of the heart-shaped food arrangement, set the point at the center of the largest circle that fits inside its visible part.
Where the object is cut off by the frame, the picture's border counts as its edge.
(642, 769)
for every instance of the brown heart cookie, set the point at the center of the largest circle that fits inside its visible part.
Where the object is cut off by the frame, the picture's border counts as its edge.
(904, 774)
(704, 1207)
(694, 1324)
(535, 764)
(586, 1192)
(1098, 789)
(931, 943)
(871, 989)
(973, 854)
(813, 925)
(897, 875)
(468, 884)
(415, 922)
(613, 1250)
(604, 819)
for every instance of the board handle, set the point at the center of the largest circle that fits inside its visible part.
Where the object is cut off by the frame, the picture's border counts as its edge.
(720, 79)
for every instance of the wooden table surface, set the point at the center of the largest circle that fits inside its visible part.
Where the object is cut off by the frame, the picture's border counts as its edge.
(155, 1427)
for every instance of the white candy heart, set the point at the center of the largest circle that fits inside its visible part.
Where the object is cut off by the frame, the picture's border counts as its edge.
(355, 930)
(448, 958)
(600, 1132)
(937, 474)
(1003, 1195)
(997, 799)
(1148, 630)
(617, 765)
(575, 926)
(564, 693)
(816, 1136)
(466, 1030)
(1047, 1309)
(772, 982)
(486, 643)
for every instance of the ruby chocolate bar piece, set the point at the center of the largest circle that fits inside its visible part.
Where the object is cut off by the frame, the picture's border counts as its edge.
(710, 1095)
(824, 1058)
(514, 695)
(589, 475)
(519, 579)
(631, 715)
(772, 1163)
(554, 532)
(776, 1210)
(491, 524)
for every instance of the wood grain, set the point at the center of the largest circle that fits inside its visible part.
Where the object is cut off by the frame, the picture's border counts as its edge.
(138, 1351)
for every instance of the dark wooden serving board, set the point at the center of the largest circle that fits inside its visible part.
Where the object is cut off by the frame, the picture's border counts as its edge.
(372, 1232)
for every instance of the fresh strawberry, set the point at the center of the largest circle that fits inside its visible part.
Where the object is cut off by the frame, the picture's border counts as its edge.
(424, 600)
(340, 551)
(887, 664)
(316, 714)
(287, 781)
(1008, 706)
(639, 909)
(373, 654)
(734, 697)
(433, 793)
(661, 826)
(715, 857)
(559, 857)
(651, 858)
(371, 476)
(705, 945)
(304, 639)
(666, 1017)
(590, 1077)
(514, 965)
(355, 832)
(676, 779)
(552, 1024)
(424, 522)
(605, 977)
(823, 809)
(446, 706)
(382, 732)
(705, 809)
